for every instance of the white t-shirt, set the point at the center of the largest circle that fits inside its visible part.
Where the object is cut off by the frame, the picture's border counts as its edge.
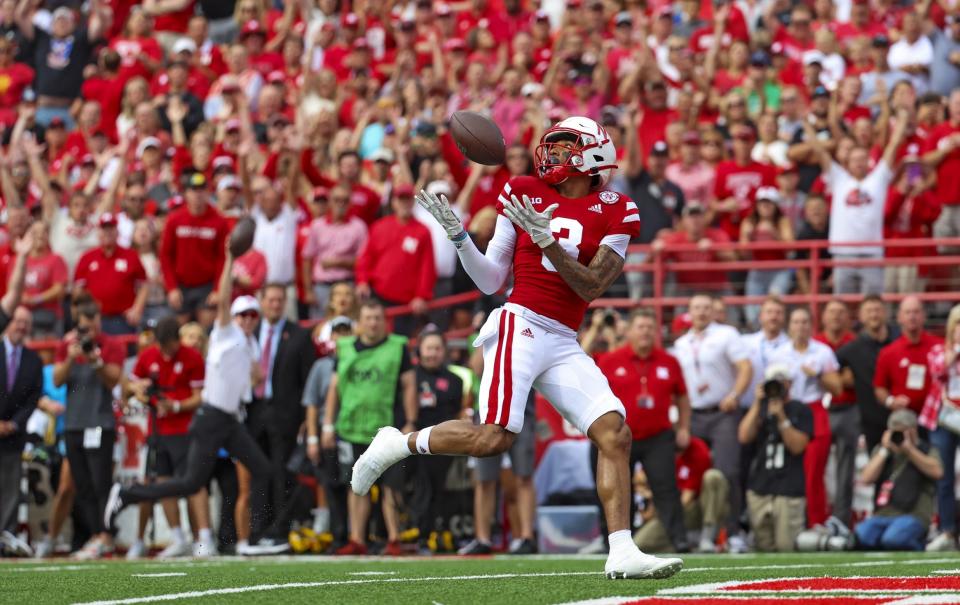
(70, 240)
(230, 355)
(277, 240)
(856, 210)
(903, 53)
(708, 361)
(818, 357)
(760, 350)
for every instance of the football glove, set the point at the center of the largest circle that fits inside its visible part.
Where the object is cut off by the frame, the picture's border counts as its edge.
(525, 216)
(440, 209)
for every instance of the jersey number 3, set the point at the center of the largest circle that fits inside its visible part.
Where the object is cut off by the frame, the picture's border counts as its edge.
(570, 242)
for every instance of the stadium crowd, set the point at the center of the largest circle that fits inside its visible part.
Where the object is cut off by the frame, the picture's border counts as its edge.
(135, 135)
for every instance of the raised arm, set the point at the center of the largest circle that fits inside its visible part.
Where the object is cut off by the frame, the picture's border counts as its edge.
(23, 17)
(225, 289)
(899, 132)
(14, 293)
(816, 147)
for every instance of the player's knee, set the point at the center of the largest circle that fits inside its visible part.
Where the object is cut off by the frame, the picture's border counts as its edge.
(491, 440)
(610, 433)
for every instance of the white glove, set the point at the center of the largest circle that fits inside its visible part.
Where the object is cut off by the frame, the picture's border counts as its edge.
(525, 216)
(439, 208)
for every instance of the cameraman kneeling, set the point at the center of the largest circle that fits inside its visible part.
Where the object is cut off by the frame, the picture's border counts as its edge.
(905, 470)
(781, 429)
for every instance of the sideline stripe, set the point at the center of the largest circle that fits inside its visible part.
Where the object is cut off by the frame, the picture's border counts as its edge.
(267, 587)
(169, 574)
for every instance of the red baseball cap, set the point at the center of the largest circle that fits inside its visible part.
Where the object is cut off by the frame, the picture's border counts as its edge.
(681, 323)
(107, 219)
(351, 20)
(403, 190)
(443, 10)
(232, 125)
(361, 44)
(276, 77)
(454, 44)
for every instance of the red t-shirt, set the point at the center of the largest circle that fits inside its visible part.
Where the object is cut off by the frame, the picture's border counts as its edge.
(397, 261)
(175, 21)
(692, 463)
(192, 249)
(132, 50)
(42, 273)
(902, 368)
(646, 386)
(704, 279)
(111, 280)
(948, 171)
(653, 127)
(580, 225)
(13, 80)
(177, 376)
(741, 183)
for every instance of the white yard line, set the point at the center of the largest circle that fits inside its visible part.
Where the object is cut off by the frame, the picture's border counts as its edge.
(372, 573)
(267, 587)
(170, 574)
(51, 568)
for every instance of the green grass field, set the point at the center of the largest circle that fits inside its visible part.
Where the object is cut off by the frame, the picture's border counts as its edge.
(933, 578)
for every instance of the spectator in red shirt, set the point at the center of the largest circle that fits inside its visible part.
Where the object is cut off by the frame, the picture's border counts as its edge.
(14, 79)
(737, 182)
(943, 151)
(140, 53)
(192, 253)
(254, 38)
(693, 230)
(649, 381)
(45, 284)
(115, 278)
(911, 208)
(364, 202)
(396, 264)
(902, 379)
(170, 18)
(168, 377)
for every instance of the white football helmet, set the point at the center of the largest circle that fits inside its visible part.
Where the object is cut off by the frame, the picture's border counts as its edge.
(592, 153)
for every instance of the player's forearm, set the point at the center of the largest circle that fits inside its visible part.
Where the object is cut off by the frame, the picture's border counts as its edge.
(588, 282)
(489, 272)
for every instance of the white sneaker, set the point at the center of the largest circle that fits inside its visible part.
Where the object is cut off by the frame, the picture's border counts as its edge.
(942, 543)
(176, 549)
(94, 549)
(706, 546)
(137, 550)
(737, 544)
(263, 547)
(14, 546)
(387, 448)
(634, 564)
(44, 548)
(203, 550)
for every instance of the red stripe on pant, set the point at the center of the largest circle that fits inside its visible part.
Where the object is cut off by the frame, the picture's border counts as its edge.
(507, 373)
(493, 401)
(815, 465)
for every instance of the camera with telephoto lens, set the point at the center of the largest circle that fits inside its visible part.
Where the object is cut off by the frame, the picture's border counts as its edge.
(896, 437)
(774, 389)
(87, 342)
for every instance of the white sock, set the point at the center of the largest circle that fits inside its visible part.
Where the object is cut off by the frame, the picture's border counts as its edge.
(177, 534)
(242, 544)
(423, 441)
(206, 536)
(321, 520)
(136, 543)
(621, 540)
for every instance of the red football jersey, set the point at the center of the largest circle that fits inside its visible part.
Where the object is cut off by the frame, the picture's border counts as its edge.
(579, 225)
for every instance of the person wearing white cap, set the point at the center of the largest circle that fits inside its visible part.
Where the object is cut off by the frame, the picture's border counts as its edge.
(766, 223)
(231, 371)
(781, 428)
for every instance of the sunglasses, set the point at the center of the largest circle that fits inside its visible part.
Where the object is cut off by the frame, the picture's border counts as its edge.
(800, 23)
(249, 315)
(136, 199)
(743, 137)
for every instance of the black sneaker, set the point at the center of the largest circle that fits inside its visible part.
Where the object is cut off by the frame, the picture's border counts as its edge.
(476, 547)
(115, 504)
(525, 546)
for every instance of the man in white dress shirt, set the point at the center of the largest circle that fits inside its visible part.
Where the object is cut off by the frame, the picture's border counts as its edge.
(761, 344)
(717, 371)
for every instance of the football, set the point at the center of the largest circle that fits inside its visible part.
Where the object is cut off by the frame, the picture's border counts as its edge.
(241, 238)
(478, 137)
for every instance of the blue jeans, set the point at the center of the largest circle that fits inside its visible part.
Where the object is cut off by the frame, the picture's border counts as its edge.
(762, 282)
(946, 443)
(46, 114)
(891, 533)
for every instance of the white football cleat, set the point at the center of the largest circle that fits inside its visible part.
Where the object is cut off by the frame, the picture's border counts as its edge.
(388, 447)
(137, 550)
(638, 565)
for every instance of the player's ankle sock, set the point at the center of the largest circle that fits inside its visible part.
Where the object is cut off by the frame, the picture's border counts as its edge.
(621, 541)
(206, 536)
(709, 532)
(321, 520)
(423, 441)
(177, 534)
(242, 544)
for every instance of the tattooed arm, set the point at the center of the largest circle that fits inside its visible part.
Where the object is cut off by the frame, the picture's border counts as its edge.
(589, 282)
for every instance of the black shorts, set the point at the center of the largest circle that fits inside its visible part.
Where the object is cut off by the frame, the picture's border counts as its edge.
(171, 455)
(195, 298)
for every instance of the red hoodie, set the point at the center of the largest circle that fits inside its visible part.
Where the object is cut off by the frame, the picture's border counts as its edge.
(192, 250)
(397, 261)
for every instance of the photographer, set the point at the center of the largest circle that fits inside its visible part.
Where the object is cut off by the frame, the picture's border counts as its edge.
(906, 470)
(90, 363)
(781, 428)
(168, 378)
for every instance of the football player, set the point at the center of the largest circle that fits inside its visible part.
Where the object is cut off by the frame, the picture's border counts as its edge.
(564, 237)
